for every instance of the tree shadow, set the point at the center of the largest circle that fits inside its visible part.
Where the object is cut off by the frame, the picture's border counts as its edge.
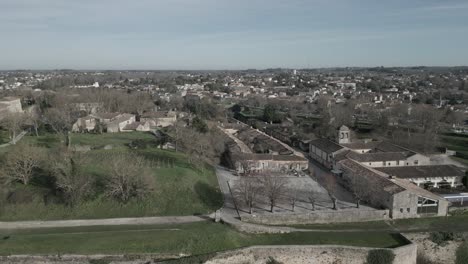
(209, 195)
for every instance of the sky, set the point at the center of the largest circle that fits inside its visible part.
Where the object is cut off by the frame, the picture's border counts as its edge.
(231, 34)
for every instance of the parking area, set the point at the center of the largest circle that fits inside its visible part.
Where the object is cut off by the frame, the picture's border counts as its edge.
(301, 195)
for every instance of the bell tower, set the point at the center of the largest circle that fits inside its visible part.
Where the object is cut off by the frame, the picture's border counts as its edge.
(344, 135)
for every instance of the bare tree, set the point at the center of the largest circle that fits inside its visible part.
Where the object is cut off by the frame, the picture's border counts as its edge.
(331, 185)
(200, 147)
(13, 122)
(71, 179)
(21, 162)
(246, 166)
(359, 188)
(139, 102)
(178, 133)
(129, 177)
(247, 190)
(312, 196)
(61, 121)
(294, 197)
(34, 118)
(273, 187)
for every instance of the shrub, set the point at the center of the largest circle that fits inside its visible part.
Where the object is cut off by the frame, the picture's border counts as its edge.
(142, 144)
(191, 259)
(423, 259)
(271, 260)
(380, 256)
(100, 261)
(441, 238)
(462, 254)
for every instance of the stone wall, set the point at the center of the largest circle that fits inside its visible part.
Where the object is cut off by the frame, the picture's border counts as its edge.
(318, 217)
(310, 255)
(86, 259)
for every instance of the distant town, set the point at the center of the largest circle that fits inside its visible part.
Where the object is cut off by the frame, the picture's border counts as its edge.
(335, 162)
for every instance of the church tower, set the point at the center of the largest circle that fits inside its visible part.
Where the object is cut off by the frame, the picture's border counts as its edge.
(344, 135)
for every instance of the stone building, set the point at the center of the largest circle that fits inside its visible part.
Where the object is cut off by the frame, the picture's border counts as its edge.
(437, 176)
(159, 119)
(390, 176)
(324, 151)
(400, 196)
(10, 105)
(113, 122)
(249, 150)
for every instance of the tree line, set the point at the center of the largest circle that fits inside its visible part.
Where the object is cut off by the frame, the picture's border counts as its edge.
(64, 173)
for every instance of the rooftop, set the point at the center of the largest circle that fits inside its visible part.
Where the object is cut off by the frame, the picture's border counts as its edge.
(408, 172)
(326, 145)
(379, 156)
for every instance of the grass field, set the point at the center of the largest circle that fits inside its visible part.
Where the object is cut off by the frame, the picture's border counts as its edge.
(180, 188)
(94, 140)
(458, 143)
(462, 253)
(195, 238)
(4, 138)
(452, 223)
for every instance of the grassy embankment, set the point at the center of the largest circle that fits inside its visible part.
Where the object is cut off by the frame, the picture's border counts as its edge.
(195, 238)
(459, 143)
(181, 189)
(4, 138)
(454, 223)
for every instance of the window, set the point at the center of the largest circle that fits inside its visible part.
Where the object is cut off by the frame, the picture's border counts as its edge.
(389, 164)
(384, 163)
(416, 162)
(401, 210)
(397, 162)
(370, 163)
(408, 209)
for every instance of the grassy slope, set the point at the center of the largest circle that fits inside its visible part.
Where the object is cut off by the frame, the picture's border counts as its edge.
(457, 143)
(462, 253)
(196, 238)
(4, 138)
(451, 223)
(180, 188)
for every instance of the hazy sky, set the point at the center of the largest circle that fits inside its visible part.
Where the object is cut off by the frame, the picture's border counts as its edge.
(231, 34)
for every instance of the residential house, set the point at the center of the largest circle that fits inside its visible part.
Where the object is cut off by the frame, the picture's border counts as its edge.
(159, 119)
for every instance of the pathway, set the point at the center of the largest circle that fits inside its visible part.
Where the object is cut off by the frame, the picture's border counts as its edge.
(18, 138)
(104, 222)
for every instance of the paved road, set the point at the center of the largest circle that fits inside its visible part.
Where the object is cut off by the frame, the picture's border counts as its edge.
(229, 214)
(104, 222)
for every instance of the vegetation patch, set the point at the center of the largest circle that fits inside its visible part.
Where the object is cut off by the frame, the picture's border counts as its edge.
(380, 256)
(462, 254)
(188, 239)
(103, 183)
(442, 238)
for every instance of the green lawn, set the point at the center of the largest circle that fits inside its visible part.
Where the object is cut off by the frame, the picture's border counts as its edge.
(4, 137)
(180, 188)
(195, 238)
(457, 143)
(451, 223)
(462, 253)
(94, 140)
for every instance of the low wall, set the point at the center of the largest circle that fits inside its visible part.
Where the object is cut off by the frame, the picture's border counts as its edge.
(86, 259)
(318, 217)
(310, 255)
